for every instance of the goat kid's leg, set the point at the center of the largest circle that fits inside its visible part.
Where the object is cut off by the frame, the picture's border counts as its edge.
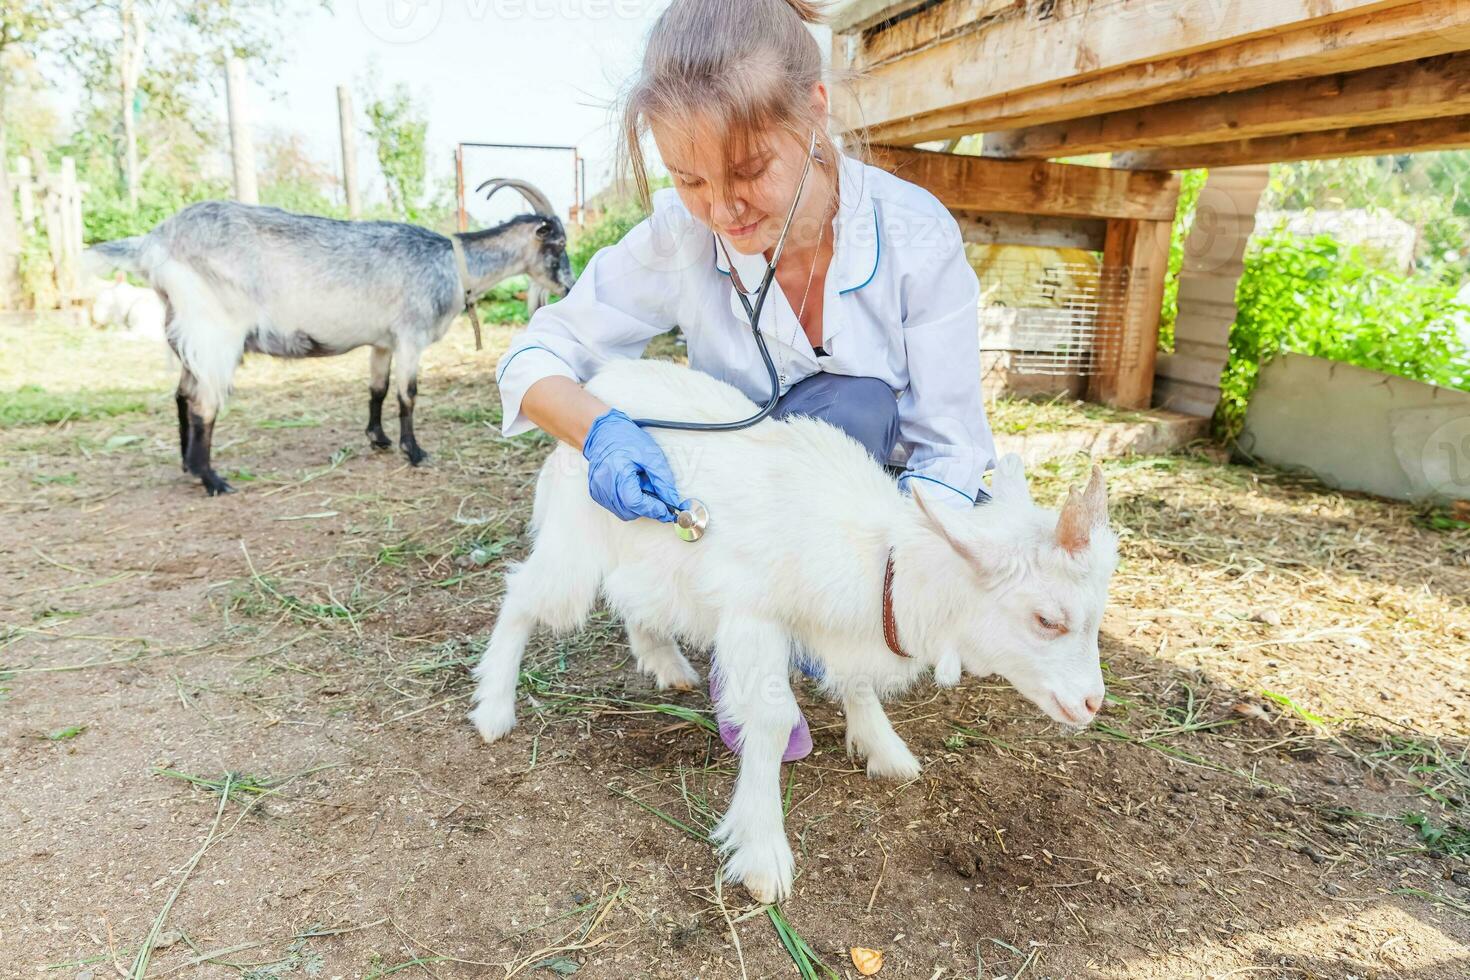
(408, 392)
(751, 657)
(379, 365)
(871, 735)
(660, 657)
(494, 701)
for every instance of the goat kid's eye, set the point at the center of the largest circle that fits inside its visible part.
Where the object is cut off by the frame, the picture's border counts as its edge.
(1050, 626)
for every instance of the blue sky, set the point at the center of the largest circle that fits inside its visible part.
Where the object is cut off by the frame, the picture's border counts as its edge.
(508, 71)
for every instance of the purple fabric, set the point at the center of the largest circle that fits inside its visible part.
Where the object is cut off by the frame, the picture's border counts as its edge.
(799, 746)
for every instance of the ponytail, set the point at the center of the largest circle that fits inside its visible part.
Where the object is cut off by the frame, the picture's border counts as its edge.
(809, 12)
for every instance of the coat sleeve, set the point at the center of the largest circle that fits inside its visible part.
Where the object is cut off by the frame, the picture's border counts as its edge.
(942, 413)
(626, 296)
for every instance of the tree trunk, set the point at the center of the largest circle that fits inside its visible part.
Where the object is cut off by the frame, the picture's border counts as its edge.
(10, 289)
(130, 63)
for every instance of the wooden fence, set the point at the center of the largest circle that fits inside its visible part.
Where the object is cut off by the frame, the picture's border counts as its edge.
(52, 202)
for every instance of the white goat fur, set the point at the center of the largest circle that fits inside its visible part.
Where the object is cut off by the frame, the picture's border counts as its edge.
(802, 521)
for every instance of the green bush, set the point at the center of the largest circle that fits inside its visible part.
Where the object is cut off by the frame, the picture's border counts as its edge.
(1318, 297)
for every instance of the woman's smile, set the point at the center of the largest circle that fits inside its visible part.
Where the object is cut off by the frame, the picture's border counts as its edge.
(742, 231)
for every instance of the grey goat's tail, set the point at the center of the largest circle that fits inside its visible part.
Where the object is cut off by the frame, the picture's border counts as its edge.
(121, 254)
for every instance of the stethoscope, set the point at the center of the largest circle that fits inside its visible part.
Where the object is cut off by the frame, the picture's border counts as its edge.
(691, 518)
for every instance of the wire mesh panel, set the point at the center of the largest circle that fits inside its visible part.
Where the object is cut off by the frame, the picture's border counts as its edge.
(555, 170)
(1051, 310)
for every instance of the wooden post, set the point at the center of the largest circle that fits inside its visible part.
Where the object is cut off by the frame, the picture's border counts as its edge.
(70, 231)
(1136, 258)
(26, 188)
(242, 147)
(461, 216)
(1214, 255)
(349, 152)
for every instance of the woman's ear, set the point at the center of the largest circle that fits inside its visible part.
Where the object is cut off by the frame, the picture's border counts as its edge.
(819, 98)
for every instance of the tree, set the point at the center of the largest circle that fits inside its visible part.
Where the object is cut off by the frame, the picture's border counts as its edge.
(165, 59)
(398, 127)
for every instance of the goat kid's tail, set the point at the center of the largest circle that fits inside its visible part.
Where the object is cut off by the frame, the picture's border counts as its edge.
(105, 256)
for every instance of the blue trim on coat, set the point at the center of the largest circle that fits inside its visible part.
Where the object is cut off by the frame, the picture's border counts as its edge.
(911, 475)
(877, 253)
(518, 353)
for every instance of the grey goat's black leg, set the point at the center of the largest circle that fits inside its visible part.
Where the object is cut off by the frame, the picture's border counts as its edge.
(182, 401)
(382, 360)
(197, 412)
(408, 393)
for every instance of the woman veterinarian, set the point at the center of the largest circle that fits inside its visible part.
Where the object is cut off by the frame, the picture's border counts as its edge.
(874, 326)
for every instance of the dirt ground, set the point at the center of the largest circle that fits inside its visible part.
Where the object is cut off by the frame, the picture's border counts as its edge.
(1278, 787)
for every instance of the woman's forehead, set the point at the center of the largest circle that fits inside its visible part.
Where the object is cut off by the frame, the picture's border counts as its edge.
(702, 148)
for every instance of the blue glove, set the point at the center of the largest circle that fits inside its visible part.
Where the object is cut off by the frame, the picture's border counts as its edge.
(627, 472)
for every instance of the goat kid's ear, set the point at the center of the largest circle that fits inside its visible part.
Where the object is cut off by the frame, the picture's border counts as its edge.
(1081, 513)
(936, 524)
(1008, 482)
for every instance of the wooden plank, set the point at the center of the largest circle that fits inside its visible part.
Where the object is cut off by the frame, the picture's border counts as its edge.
(859, 15)
(1426, 88)
(1450, 133)
(1127, 353)
(1013, 73)
(970, 183)
(928, 25)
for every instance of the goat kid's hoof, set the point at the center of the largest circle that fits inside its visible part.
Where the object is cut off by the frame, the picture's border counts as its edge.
(493, 720)
(894, 762)
(675, 677)
(766, 874)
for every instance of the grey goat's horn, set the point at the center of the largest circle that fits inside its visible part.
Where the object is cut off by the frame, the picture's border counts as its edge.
(537, 200)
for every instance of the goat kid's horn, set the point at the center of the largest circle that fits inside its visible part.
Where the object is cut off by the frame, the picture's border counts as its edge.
(1082, 512)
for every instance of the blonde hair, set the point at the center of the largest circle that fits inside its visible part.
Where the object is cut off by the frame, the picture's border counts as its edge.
(744, 66)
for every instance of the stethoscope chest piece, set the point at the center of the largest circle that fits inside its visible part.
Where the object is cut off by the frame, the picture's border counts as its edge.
(692, 519)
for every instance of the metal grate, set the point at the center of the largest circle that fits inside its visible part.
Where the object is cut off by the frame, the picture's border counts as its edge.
(1051, 317)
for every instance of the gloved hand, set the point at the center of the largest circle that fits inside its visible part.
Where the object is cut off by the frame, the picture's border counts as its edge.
(627, 472)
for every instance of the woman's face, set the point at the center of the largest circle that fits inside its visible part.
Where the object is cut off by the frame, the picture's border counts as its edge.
(750, 211)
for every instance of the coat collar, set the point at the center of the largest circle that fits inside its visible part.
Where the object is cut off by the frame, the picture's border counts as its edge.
(854, 257)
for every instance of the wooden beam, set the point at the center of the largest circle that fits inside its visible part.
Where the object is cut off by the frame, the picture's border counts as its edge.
(1138, 252)
(1450, 133)
(1011, 72)
(970, 183)
(859, 15)
(1422, 89)
(999, 228)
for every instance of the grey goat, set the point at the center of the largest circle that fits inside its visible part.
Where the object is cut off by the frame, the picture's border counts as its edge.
(237, 278)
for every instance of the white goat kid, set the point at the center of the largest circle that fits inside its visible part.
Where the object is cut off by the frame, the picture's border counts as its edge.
(803, 524)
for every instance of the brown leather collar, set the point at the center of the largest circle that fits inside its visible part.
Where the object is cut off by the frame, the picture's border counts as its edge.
(890, 624)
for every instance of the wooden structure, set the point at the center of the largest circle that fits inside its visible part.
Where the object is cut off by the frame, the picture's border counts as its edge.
(52, 201)
(1160, 87)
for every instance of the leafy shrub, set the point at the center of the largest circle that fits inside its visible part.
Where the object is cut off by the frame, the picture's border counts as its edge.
(1317, 297)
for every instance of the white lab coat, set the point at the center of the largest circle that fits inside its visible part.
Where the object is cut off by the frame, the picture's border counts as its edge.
(901, 304)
